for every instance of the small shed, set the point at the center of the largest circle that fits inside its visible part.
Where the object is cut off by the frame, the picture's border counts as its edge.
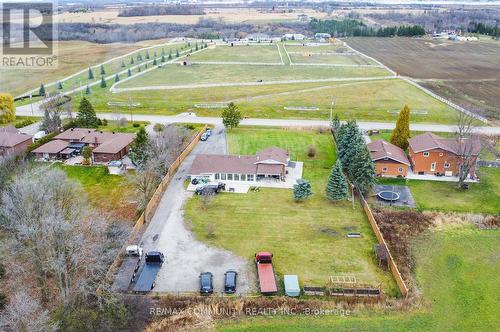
(292, 287)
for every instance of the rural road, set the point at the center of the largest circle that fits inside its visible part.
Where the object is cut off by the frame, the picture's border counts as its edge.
(26, 111)
(186, 257)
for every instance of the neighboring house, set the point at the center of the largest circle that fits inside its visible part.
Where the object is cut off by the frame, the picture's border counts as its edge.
(53, 150)
(12, 141)
(106, 146)
(431, 154)
(259, 37)
(269, 163)
(390, 160)
(322, 36)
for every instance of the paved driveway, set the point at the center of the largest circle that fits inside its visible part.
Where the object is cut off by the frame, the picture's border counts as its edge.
(187, 257)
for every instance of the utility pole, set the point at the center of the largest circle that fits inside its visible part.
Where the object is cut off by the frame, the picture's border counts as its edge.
(332, 102)
(130, 107)
(31, 103)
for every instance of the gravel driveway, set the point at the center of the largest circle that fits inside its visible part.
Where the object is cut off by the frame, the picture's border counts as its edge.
(187, 257)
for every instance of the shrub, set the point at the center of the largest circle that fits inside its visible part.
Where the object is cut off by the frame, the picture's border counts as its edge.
(189, 126)
(311, 151)
(24, 123)
(158, 127)
(136, 125)
(41, 141)
(104, 122)
(2, 271)
(3, 301)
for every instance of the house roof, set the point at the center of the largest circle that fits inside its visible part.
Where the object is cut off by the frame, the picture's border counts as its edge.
(429, 141)
(115, 143)
(54, 146)
(74, 134)
(383, 150)
(268, 161)
(272, 155)
(10, 137)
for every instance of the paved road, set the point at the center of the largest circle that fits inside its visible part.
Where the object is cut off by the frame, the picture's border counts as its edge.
(25, 110)
(32, 129)
(186, 257)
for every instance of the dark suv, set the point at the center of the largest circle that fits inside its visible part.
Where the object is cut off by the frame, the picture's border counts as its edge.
(206, 285)
(230, 281)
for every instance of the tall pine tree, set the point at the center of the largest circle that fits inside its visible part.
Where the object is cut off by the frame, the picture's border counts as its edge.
(86, 116)
(337, 187)
(103, 72)
(401, 133)
(138, 153)
(91, 74)
(363, 170)
(103, 82)
(302, 190)
(41, 91)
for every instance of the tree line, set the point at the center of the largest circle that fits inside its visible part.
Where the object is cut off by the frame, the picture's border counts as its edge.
(355, 28)
(154, 10)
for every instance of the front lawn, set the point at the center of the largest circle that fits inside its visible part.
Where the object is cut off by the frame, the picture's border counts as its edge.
(457, 271)
(109, 193)
(309, 238)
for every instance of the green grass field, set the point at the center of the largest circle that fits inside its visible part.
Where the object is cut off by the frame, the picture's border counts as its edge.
(109, 193)
(308, 238)
(361, 100)
(175, 74)
(457, 273)
(259, 53)
(483, 197)
(334, 54)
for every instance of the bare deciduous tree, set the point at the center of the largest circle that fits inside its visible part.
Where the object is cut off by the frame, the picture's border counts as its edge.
(467, 147)
(24, 313)
(53, 108)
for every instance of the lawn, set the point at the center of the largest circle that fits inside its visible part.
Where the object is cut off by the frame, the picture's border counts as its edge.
(457, 271)
(483, 197)
(21, 121)
(368, 100)
(245, 53)
(173, 75)
(309, 238)
(124, 127)
(109, 193)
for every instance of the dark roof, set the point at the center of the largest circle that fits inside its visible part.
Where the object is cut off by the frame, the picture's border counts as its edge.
(268, 161)
(380, 150)
(10, 137)
(115, 143)
(52, 147)
(74, 134)
(429, 141)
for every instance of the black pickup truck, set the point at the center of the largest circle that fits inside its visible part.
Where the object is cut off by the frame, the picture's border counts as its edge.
(147, 277)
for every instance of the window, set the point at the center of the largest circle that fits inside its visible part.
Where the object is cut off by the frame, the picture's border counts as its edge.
(243, 177)
(384, 169)
(236, 177)
(400, 169)
(249, 177)
(230, 177)
(446, 165)
(426, 154)
(222, 176)
(217, 176)
(440, 154)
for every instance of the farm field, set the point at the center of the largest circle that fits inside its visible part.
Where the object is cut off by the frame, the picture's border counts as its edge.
(230, 15)
(73, 57)
(465, 72)
(363, 100)
(197, 74)
(250, 53)
(457, 274)
(325, 55)
(110, 193)
(307, 238)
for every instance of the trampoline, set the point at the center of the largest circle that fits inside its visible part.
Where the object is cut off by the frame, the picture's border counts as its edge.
(387, 195)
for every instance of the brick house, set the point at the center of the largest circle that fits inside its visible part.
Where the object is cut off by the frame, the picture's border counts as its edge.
(389, 160)
(431, 154)
(12, 141)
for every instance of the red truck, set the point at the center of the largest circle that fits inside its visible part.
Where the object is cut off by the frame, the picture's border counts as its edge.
(267, 282)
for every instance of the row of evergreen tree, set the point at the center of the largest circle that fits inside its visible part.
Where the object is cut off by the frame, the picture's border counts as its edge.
(355, 28)
(484, 29)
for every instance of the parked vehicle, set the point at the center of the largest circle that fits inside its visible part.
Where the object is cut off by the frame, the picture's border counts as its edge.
(210, 189)
(206, 284)
(204, 137)
(209, 132)
(134, 250)
(147, 278)
(230, 278)
(267, 281)
(39, 134)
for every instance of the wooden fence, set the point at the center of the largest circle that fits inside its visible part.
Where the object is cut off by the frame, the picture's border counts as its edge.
(390, 261)
(150, 209)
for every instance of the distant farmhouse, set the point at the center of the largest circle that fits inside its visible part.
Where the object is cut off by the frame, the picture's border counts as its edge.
(105, 146)
(321, 36)
(12, 141)
(431, 154)
(294, 36)
(269, 163)
(389, 159)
